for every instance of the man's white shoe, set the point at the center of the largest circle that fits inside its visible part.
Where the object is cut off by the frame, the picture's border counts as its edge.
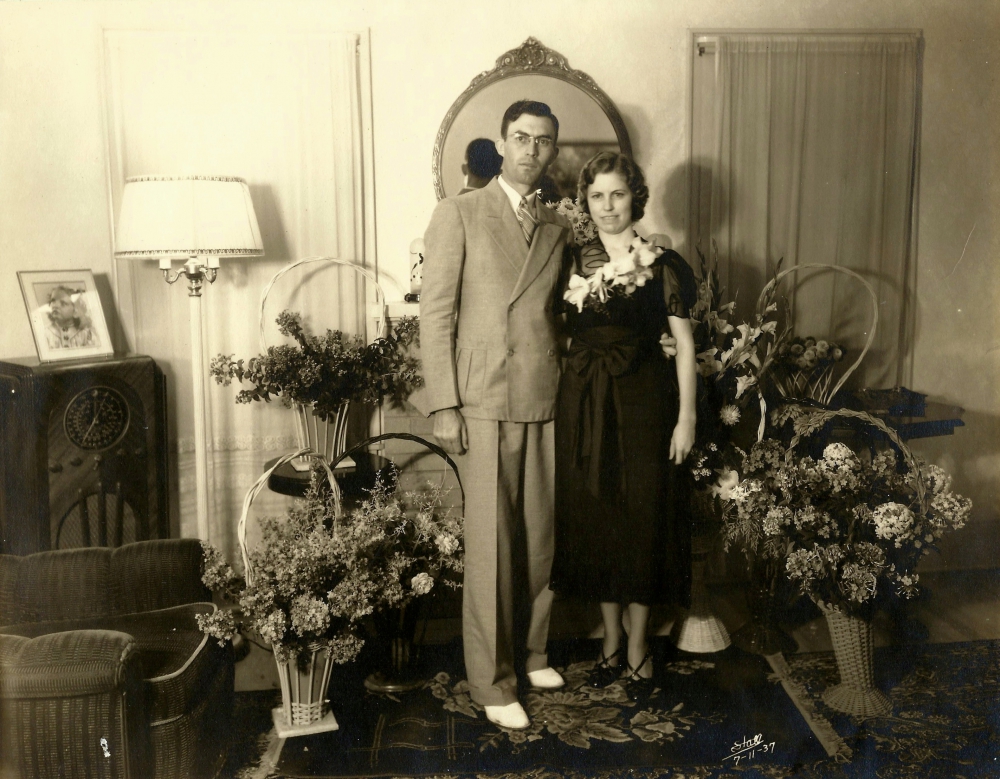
(511, 716)
(546, 679)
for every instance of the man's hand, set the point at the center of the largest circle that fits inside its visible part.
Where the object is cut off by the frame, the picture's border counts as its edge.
(450, 430)
(669, 346)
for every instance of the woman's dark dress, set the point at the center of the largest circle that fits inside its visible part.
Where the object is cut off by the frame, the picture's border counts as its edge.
(622, 518)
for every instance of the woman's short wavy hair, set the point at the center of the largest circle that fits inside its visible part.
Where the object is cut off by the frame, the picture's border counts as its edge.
(624, 166)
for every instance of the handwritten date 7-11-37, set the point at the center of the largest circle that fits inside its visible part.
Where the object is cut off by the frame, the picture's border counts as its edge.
(749, 748)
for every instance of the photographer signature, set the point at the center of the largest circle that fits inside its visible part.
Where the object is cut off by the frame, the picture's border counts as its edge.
(749, 748)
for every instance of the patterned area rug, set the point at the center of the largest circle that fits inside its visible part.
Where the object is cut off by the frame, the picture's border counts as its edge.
(945, 719)
(709, 716)
(707, 711)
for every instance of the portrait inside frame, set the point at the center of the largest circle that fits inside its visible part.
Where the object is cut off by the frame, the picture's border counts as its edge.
(67, 320)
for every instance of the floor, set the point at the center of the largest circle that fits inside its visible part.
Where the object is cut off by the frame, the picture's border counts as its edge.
(955, 606)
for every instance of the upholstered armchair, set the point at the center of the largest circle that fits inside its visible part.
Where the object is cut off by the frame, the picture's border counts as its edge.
(103, 670)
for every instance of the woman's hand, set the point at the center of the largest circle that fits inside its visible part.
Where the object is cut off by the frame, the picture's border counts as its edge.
(682, 440)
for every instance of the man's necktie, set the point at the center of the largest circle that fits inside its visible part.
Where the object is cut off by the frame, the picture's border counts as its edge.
(527, 220)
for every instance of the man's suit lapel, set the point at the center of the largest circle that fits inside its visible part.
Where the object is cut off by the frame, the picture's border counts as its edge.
(547, 234)
(504, 229)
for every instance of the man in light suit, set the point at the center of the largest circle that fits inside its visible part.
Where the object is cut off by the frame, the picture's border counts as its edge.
(493, 264)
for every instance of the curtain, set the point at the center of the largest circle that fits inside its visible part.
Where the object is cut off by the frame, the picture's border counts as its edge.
(282, 112)
(812, 160)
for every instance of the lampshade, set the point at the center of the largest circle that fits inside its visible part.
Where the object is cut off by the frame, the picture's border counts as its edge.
(184, 216)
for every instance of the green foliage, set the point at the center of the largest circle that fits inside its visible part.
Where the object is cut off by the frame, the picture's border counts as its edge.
(325, 371)
(316, 576)
(845, 526)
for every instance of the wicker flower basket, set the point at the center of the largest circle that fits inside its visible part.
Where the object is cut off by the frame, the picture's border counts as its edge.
(816, 386)
(304, 686)
(304, 705)
(327, 438)
(852, 636)
(700, 630)
(854, 645)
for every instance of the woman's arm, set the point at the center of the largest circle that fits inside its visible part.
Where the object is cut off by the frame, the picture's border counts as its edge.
(683, 437)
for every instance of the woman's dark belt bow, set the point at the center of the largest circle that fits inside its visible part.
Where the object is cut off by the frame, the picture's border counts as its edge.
(602, 354)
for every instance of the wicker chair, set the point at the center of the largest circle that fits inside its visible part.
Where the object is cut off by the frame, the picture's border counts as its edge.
(103, 671)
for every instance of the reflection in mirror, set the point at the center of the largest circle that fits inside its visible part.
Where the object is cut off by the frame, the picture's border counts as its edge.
(588, 120)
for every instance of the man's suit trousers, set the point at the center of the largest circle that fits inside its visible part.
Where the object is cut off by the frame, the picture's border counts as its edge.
(508, 474)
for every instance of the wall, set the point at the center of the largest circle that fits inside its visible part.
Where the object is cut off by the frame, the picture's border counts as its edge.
(53, 191)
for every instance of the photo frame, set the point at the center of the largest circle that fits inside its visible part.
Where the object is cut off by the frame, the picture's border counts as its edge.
(66, 316)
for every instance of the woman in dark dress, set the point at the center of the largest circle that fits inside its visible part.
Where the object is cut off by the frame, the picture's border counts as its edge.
(625, 421)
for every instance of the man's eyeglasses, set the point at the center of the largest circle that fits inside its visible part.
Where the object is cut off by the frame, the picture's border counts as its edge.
(524, 140)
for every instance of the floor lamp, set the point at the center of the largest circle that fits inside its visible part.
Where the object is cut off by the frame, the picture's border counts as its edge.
(196, 220)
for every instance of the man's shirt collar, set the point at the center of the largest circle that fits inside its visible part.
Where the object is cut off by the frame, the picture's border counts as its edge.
(514, 196)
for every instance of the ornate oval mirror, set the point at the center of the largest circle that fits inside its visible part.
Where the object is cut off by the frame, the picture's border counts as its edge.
(588, 120)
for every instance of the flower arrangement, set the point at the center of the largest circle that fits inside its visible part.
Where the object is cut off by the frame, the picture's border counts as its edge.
(804, 367)
(732, 360)
(415, 544)
(317, 577)
(618, 276)
(325, 371)
(846, 527)
(584, 229)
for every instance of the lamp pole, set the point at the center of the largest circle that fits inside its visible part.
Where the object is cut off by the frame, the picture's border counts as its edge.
(197, 272)
(195, 219)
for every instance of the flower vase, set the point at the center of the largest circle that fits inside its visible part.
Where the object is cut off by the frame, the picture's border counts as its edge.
(762, 635)
(853, 645)
(329, 439)
(304, 705)
(397, 656)
(700, 630)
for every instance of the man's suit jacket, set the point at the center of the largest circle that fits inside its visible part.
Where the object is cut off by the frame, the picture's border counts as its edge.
(488, 332)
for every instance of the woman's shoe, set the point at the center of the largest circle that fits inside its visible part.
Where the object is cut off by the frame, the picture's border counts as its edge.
(638, 688)
(604, 673)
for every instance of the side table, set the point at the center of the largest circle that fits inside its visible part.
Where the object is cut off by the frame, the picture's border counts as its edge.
(355, 482)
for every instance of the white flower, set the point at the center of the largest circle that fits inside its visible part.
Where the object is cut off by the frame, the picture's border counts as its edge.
(743, 383)
(642, 275)
(936, 478)
(578, 290)
(707, 364)
(729, 414)
(722, 326)
(447, 544)
(893, 521)
(775, 520)
(741, 492)
(726, 484)
(838, 452)
(422, 583)
(841, 468)
(645, 253)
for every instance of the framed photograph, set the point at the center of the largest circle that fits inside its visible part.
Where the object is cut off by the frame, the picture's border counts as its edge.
(65, 312)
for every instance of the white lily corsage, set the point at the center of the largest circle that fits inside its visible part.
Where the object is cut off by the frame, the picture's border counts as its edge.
(618, 276)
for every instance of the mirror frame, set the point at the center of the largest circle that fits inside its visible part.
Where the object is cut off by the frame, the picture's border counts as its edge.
(530, 58)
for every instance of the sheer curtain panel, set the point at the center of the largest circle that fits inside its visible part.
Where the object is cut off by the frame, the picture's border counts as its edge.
(284, 112)
(811, 158)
